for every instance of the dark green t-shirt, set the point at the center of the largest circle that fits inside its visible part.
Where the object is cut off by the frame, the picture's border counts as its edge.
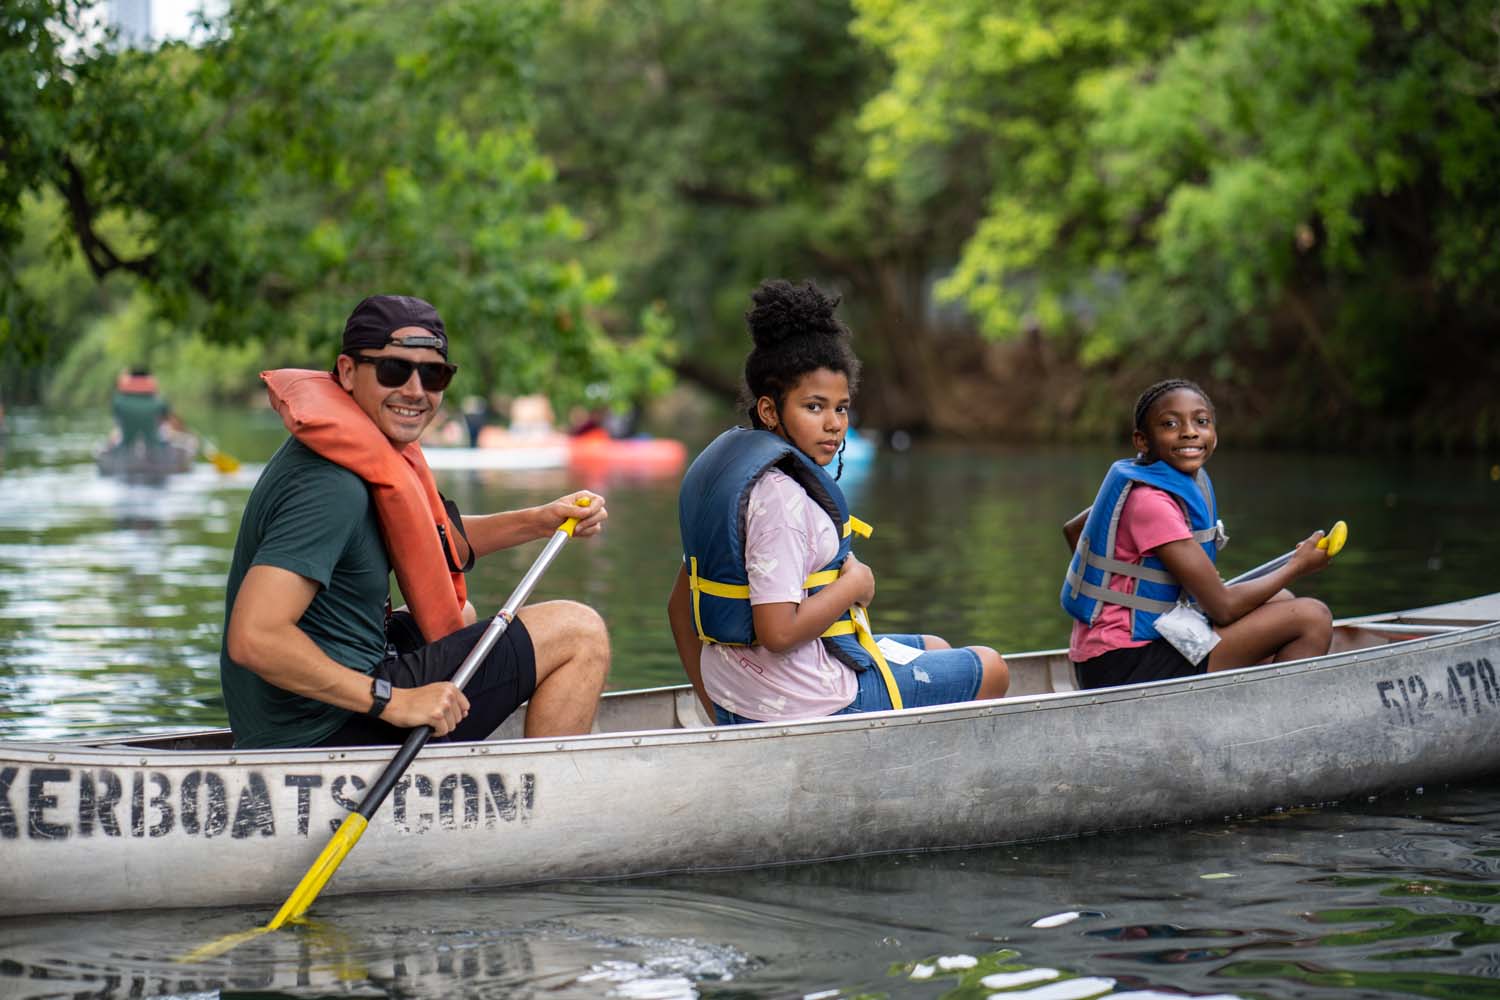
(139, 416)
(314, 518)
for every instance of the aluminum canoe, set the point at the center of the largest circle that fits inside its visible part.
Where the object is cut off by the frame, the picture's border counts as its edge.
(179, 820)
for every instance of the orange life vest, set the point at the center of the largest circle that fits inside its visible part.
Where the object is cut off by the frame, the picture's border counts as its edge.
(413, 521)
(136, 385)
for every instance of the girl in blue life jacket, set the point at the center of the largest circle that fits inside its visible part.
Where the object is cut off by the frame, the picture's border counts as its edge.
(1151, 538)
(768, 610)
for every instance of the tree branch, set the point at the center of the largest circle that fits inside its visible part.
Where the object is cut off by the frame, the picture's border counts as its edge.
(101, 258)
(709, 379)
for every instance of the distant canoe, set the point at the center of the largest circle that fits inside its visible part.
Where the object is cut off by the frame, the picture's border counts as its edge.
(141, 462)
(547, 454)
(1410, 698)
(597, 453)
(587, 454)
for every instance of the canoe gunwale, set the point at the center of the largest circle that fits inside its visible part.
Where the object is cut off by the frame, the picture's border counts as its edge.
(107, 751)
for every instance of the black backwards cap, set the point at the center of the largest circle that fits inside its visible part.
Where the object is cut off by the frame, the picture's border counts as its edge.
(373, 321)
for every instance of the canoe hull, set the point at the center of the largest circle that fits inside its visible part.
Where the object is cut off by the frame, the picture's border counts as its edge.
(108, 827)
(144, 463)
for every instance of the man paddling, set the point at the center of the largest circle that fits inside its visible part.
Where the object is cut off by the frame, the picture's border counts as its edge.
(312, 654)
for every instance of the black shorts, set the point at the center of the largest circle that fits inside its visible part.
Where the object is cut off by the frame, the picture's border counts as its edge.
(1158, 660)
(503, 682)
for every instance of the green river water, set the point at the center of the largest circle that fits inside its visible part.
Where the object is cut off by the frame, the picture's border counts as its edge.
(111, 605)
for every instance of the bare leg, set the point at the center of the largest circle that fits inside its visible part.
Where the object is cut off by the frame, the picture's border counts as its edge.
(572, 661)
(995, 679)
(1281, 630)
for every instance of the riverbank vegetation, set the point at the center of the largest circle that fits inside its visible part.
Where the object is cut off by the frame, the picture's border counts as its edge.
(1031, 210)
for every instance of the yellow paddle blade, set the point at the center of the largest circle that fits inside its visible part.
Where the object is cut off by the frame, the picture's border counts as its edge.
(226, 943)
(339, 845)
(223, 462)
(1334, 540)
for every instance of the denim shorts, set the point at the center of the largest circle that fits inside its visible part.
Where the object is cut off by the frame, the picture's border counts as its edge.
(937, 677)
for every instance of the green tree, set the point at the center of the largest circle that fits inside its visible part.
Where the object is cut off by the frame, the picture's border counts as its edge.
(710, 144)
(1296, 196)
(307, 154)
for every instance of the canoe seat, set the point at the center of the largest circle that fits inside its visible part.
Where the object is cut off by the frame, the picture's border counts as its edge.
(690, 714)
(1063, 674)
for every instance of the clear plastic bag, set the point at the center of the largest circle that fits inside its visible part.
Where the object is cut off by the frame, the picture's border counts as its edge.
(1189, 632)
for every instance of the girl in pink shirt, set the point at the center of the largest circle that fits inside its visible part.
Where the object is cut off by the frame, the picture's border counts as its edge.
(799, 378)
(1254, 620)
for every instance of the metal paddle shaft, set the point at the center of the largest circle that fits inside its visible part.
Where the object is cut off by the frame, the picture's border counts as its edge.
(354, 824)
(1333, 542)
(370, 804)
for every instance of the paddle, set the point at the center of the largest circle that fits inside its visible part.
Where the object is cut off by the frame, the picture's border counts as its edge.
(354, 824)
(1333, 542)
(222, 461)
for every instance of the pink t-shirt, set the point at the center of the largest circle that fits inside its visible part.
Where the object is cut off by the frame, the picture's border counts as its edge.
(787, 537)
(1151, 517)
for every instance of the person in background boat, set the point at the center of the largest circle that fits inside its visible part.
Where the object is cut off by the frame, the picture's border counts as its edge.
(142, 416)
(312, 655)
(604, 421)
(476, 413)
(1153, 532)
(768, 609)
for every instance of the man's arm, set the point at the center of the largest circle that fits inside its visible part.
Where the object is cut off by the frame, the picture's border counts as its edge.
(493, 532)
(263, 637)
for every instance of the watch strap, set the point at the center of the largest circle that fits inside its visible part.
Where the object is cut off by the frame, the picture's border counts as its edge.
(380, 694)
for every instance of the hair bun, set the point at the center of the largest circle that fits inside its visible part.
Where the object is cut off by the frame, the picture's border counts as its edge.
(784, 311)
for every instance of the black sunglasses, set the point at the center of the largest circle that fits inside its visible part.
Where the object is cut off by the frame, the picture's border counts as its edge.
(393, 373)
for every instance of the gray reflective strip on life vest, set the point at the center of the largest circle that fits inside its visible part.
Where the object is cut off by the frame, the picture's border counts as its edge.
(1074, 580)
(1135, 570)
(1133, 601)
(1216, 534)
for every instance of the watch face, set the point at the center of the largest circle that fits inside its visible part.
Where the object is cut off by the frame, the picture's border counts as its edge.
(380, 695)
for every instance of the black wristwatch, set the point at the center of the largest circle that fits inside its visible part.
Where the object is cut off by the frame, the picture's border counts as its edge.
(380, 690)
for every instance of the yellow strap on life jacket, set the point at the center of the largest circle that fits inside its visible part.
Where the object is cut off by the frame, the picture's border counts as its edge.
(860, 619)
(741, 591)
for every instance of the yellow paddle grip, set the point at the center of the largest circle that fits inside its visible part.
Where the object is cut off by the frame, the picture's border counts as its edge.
(1334, 540)
(572, 522)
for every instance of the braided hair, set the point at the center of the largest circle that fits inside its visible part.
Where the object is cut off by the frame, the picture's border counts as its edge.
(795, 332)
(1148, 398)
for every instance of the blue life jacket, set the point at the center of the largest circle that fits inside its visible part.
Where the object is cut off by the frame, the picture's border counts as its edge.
(711, 510)
(1094, 562)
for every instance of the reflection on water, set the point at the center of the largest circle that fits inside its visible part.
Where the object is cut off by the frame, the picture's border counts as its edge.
(110, 607)
(1391, 898)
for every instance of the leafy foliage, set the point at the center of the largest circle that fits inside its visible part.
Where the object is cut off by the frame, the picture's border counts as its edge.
(309, 154)
(1179, 180)
(710, 145)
